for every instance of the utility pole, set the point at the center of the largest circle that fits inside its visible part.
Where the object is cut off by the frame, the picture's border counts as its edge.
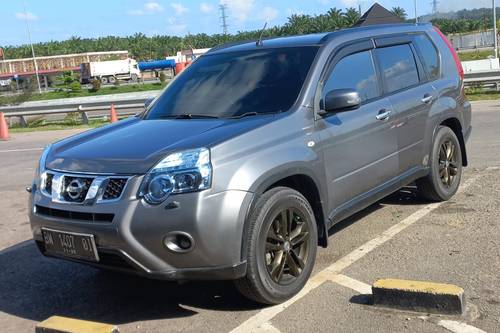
(495, 37)
(223, 17)
(32, 48)
(435, 4)
(416, 13)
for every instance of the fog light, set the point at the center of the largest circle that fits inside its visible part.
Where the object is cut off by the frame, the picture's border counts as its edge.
(179, 242)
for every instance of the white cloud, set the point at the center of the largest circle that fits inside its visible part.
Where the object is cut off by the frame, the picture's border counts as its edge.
(148, 8)
(179, 8)
(206, 8)
(240, 9)
(268, 14)
(26, 16)
(153, 7)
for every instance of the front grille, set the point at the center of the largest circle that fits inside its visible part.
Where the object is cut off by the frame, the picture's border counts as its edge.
(71, 215)
(48, 183)
(71, 183)
(114, 188)
(82, 189)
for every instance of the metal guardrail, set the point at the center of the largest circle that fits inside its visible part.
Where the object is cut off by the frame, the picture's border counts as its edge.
(482, 79)
(82, 109)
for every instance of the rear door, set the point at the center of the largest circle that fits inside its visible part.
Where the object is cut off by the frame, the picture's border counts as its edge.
(359, 146)
(411, 94)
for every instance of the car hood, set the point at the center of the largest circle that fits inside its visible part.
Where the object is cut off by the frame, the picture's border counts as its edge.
(134, 145)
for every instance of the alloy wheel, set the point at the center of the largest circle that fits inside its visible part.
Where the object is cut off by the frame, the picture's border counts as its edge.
(287, 246)
(448, 164)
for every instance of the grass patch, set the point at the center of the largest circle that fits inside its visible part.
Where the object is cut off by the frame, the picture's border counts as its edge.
(475, 55)
(67, 123)
(87, 92)
(479, 95)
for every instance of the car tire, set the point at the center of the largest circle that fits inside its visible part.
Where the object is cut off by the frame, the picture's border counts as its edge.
(104, 80)
(445, 173)
(279, 259)
(112, 79)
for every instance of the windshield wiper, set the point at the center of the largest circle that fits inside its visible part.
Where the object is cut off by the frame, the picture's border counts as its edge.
(188, 116)
(252, 113)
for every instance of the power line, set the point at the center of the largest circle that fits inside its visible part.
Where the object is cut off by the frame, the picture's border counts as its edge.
(223, 17)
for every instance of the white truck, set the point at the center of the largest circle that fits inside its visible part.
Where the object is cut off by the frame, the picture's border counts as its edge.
(110, 71)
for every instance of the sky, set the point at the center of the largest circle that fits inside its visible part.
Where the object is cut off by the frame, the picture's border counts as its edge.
(62, 19)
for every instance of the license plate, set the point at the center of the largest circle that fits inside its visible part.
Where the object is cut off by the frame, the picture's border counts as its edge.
(70, 244)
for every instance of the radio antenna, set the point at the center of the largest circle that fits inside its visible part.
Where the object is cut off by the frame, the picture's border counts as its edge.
(259, 42)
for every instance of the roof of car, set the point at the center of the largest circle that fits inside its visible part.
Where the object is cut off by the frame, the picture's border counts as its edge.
(317, 39)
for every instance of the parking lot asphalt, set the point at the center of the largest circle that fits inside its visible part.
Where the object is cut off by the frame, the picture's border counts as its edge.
(455, 242)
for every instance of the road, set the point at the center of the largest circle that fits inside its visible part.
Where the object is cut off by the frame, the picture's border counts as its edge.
(399, 237)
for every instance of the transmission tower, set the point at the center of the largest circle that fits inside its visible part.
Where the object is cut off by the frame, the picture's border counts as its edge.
(223, 17)
(435, 4)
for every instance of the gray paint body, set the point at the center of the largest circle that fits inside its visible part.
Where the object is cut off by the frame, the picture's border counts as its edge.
(352, 158)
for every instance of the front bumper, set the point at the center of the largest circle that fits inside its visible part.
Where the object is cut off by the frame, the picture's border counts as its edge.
(133, 240)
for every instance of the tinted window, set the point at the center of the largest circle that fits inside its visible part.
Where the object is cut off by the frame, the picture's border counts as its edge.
(429, 54)
(234, 83)
(398, 67)
(355, 71)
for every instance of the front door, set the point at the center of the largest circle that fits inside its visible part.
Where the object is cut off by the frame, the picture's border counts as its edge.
(359, 146)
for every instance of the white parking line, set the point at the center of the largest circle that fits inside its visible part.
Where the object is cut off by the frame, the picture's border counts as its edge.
(254, 323)
(20, 150)
(268, 328)
(459, 327)
(351, 283)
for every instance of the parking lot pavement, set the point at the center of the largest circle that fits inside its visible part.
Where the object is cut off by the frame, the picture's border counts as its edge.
(399, 237)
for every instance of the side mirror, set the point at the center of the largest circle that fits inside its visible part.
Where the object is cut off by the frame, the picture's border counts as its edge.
(148, 101)
(340, 100)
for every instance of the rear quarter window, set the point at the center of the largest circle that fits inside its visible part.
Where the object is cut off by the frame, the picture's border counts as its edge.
(398, 67)
(429, 56)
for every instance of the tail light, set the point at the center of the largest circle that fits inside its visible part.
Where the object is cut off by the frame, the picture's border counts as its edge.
(460, 69)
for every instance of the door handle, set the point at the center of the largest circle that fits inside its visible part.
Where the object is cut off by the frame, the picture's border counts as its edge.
(383, 114)
(427, 98)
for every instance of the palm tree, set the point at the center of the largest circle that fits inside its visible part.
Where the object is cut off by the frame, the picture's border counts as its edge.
(399, 12)
(351, 16)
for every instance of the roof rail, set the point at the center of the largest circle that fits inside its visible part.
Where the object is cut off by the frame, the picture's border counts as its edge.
(230, 44)
(328, 36)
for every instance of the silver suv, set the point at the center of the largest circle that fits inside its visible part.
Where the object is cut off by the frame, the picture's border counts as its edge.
(239, 168)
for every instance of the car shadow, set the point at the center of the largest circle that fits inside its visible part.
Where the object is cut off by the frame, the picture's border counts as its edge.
(405, 196)
(34, 287)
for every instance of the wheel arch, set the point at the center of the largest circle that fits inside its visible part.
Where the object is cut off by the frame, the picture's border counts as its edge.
(304, 182)
(455, 125)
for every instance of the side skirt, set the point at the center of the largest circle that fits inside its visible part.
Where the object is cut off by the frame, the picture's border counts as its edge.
(366, 199)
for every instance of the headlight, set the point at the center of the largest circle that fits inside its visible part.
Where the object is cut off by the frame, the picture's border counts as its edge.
(40, 170)
(185, 171)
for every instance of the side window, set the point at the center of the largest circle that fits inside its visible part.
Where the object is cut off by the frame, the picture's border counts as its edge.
(398, 67)
(429, 54)
(355, 71)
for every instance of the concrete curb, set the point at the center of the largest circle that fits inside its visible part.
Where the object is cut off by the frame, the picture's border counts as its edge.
(56, 324)
(419, 296)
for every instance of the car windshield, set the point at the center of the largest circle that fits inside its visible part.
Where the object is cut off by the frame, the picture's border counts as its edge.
(236, 84)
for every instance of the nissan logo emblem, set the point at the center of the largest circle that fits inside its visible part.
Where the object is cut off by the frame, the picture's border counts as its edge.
(75, 188)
